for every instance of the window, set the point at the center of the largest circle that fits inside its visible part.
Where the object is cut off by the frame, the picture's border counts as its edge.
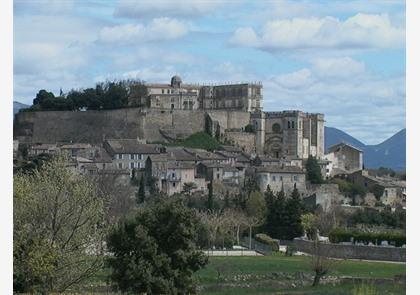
(293, 124)
(163, 91)
(173, 184)
(132, 165)
(132, 156)
(295, 178)
(103, 166)
(167, 91)
(281, 178)
(273, 178)
(288, 124)
(276, 128)
(218, 176)
(120, 165)
(173, 175)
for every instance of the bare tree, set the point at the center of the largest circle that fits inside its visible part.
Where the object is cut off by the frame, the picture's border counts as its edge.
(320, 262)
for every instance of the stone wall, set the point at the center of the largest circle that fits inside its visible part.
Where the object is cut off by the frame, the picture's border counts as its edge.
(353, 251)
(243, 139)
(95, 126)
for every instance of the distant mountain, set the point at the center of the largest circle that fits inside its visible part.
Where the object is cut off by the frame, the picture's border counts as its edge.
(17, 106)
(390, 153)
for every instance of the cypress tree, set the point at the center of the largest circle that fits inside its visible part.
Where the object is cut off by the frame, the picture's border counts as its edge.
(141, 194)
(210, 200)
(313, 171)
(293, 213)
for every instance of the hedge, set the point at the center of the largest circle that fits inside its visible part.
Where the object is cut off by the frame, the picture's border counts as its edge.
(265, 239)
(339, 235)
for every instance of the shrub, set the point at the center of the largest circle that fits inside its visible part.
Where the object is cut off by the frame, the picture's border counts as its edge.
(339, 235)
(266, 239)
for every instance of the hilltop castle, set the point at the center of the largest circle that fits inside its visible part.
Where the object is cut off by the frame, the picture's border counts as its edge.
(292, 134)
(167, 112)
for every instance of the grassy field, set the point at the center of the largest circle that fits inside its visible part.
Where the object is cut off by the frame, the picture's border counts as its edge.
(281, 275)
(278, 274)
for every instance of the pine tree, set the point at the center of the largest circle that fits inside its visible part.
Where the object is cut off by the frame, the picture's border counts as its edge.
(293, 213)
(141, 194)
(313, 171)
(210, 200)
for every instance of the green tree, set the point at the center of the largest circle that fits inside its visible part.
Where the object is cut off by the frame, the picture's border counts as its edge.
(210, 197)
(378, 191)
(155, 251)
(141, 194)
(256, 206)
(293, 213)
(313, 171)
(58, 229)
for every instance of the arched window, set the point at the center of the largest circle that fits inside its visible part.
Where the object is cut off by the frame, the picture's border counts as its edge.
(288, 124)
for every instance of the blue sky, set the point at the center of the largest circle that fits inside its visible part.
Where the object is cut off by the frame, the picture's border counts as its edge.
(345, 59)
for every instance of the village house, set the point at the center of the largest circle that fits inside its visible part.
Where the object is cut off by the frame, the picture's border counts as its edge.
(279, 178)
(343, 158)
(393, 191)
(130, 153)
(45, 148)
(226, 174)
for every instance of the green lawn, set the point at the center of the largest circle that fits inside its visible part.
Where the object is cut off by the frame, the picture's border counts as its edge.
(276, 275)
(260, 275)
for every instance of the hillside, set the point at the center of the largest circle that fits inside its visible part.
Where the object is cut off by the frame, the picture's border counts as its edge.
(390, 153)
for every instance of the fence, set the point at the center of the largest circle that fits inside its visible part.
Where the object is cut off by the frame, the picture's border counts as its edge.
(257, 246)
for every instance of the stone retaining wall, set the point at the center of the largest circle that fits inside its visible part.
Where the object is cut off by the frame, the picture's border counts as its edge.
(353, 251)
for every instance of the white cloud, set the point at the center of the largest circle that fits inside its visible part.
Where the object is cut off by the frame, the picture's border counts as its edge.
(149, 8)
(157, 30)
(362, 31)
(351, 97)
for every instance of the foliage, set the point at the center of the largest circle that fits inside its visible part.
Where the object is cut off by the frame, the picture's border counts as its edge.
(339, 235)
(385, 217)
(32, 164)
(293, 208)
(265, 239)
(284, 215)
(141, 194)
(58, 228)
(377, 191)
(106, 96)
(249, 128)
(155, 251)
(310, 223)
(199, 140)
(210, 197)
(313, 171)
(256, 206)
(351, 190)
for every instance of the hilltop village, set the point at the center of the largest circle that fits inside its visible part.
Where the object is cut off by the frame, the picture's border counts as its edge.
(149, 141)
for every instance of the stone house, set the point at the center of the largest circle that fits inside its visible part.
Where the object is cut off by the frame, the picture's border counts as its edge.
(219, 172)
(130, 153)
(343, 158)
(280, 177)
(171, 175)
(45, 148)
(94, 159)
(73, 149)
(393, 191)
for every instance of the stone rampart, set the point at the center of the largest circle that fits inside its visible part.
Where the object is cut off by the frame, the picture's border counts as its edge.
(95, 126)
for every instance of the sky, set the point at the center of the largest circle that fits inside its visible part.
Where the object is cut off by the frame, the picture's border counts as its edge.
(345, 59)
